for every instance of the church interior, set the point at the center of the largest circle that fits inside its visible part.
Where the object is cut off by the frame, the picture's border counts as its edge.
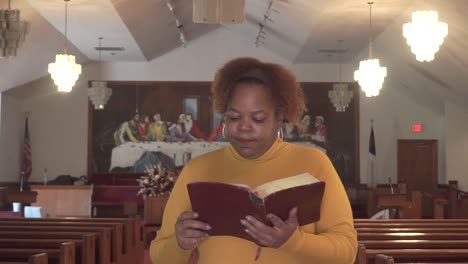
(103, 103)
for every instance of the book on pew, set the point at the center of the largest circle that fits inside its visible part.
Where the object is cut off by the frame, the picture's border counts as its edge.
(223, 205)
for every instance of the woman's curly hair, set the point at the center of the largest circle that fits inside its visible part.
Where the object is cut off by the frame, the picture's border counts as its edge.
(287, 94)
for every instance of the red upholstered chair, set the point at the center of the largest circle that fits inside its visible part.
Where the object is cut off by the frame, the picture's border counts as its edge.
(122, 197)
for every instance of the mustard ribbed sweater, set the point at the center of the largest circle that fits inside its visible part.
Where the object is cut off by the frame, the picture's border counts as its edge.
(330, 240)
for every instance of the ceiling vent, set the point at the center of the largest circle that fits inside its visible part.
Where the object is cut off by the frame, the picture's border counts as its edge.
(110, 48)
(336, 51)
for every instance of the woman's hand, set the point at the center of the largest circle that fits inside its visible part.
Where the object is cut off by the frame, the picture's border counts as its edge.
(189, 231)
(274, 236)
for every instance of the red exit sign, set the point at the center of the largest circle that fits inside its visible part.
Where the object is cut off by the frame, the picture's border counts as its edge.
(416, 128)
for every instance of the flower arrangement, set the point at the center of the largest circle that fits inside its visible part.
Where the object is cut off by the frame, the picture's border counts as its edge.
(157, 182)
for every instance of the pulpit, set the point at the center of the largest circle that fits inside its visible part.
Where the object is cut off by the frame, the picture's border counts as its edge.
(25, 197)
(409, 208)
(21, 197)
(63, 200)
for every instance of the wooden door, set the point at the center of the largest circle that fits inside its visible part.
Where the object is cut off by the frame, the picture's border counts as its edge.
(418, 167)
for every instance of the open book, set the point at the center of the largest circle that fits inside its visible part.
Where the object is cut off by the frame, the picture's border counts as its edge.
(223, 205)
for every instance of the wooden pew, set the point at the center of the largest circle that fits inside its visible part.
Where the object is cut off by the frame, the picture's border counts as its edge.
(131, 238)
(116, 231)
(414, 255)
(65, 254)
(34, 259)
(103, 243)
(412, 224)
(41, 258)
(457, 201)
(414, 244)
(361, 254)
(131, 225)
(365, 220)
(415, 240)
(412, 236)
(412, 229)
(420, 255)
(383, 259)
(84, 247)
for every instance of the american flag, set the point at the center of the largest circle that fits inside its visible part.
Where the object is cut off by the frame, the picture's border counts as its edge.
(26, 166)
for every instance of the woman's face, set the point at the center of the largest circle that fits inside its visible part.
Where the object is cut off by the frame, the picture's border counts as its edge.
(251, 123)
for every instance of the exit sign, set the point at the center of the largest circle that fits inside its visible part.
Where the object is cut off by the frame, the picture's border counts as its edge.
(416, 128)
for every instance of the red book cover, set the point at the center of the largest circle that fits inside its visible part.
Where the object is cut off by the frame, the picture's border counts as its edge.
(223, 205)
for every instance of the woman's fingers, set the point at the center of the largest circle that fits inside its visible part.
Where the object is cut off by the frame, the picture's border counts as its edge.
(186, 216)
(193, 233)
(271, 236)
(189, 230)
(258, 230)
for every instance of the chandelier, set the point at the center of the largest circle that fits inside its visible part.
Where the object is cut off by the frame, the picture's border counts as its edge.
(12, 31)
(370, 75)
(99, 93)
(425, 34)
(65, 71)
(340, 96)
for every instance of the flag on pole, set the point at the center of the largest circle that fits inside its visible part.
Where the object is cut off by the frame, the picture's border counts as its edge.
(372, 150)
(26, 166)
(371, 168)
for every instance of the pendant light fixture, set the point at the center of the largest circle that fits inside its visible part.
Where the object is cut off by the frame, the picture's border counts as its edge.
(425, 34)
(99, 93)
(12, 31)
(370, 75)
(65, 71)
(340, 96)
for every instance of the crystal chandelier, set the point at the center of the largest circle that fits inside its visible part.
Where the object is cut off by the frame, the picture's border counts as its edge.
(65, 71)
(99, 93)
(340, 96)
(12, 31)
(370, 75)
(425, 34)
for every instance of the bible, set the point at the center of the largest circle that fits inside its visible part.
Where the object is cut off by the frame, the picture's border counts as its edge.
(223, 205)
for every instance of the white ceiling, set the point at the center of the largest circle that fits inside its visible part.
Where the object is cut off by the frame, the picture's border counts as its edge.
(147, 30)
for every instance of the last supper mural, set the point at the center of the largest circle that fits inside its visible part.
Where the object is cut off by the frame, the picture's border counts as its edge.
(148, 122)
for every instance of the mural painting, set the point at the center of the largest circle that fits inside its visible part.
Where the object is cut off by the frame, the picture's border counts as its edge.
(143, 122)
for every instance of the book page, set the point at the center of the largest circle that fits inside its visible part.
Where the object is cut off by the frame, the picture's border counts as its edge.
(268, 188)
(244, 186)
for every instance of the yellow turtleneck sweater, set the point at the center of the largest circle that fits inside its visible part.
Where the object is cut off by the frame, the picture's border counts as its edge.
(330, 240)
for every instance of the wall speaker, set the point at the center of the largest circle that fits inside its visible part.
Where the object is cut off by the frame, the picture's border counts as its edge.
(219, 11)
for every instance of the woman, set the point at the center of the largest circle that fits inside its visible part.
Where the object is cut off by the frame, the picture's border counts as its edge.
(256, 99)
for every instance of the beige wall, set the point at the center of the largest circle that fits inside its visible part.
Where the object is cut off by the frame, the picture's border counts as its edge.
(10, 142)
(57, 126)
(457, 144)
(393, 113)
